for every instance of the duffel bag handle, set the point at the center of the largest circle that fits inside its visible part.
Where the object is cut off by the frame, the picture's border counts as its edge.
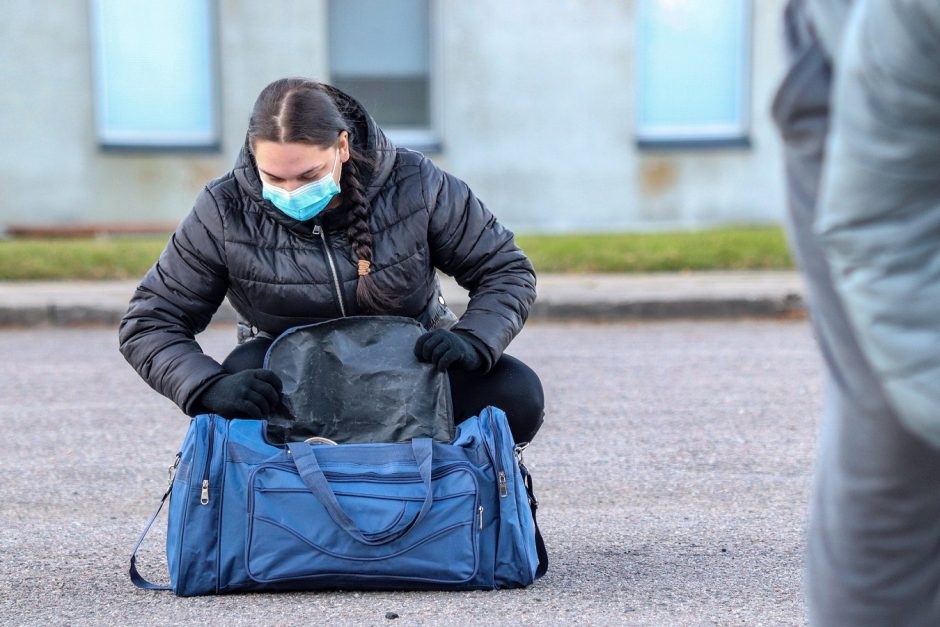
(305, 459)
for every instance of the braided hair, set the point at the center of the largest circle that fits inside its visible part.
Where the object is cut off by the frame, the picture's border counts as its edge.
(368, 295)
(296, 110)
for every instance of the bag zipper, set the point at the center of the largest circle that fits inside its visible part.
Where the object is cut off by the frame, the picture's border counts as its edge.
(317, 230)
(373, 477)
(500, 472)
(204, 497)
(343, 477)
(495, 459)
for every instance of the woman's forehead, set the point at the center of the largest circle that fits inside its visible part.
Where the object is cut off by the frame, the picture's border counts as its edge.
(290, 160)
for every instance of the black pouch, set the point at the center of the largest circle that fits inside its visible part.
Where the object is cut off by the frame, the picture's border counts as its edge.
(357, 380)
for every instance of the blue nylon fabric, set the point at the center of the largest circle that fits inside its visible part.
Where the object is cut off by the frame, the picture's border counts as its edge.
(263, 528)
(305, 460)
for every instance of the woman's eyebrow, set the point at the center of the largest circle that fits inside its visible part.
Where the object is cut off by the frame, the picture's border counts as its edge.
(310, 171)
(313, 170)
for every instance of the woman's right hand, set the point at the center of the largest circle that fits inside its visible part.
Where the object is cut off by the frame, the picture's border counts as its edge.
(246, 394)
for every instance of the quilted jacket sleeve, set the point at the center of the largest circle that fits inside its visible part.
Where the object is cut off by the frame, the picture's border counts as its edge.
(879, 216)
(469, 244)
(174, 302)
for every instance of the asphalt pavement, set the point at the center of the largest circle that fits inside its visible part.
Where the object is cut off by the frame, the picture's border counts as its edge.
(673, 471)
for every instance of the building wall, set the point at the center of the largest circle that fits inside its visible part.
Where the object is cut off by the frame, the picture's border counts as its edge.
(539, 118)
(55, 172)
(535, 111)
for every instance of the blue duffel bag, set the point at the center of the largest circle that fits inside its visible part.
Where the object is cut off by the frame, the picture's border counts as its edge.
(247, 514)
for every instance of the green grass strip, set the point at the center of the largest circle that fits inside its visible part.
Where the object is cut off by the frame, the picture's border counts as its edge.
(718, 249)
(90, 259)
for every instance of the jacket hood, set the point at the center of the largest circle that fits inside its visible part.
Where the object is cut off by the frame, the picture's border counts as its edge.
(364, 135)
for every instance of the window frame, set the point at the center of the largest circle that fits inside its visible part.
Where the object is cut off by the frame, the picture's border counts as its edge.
(426, 139)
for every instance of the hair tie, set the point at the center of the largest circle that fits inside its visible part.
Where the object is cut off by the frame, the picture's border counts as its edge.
(364, 267)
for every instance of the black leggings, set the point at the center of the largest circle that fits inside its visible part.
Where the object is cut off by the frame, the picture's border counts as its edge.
(510, 385)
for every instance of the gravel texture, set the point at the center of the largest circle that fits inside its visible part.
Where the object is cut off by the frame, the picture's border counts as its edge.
(673, 471)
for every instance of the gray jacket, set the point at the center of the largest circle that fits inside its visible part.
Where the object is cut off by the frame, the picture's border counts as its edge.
(879, 213)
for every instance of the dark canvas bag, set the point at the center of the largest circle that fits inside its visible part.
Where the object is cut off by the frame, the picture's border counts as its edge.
(355, 380)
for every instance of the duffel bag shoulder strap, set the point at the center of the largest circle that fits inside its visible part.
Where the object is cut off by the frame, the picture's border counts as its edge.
(136, 577)
(534, 506)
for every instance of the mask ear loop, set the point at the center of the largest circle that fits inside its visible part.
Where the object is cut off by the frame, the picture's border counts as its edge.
(335, 161)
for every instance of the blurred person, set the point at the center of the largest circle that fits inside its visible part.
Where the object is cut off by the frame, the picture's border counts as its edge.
(323, 217)
(859, 113)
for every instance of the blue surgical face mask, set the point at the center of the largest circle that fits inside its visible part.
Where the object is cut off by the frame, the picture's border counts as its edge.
(306, 201)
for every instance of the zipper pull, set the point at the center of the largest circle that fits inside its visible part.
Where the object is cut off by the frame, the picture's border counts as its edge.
(316, 229)
(503, 490)
(481, 517)
(204, 498)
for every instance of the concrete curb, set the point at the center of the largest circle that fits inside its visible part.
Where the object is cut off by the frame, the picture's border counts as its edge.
(789, 306)
(561, 298)
(78, 315)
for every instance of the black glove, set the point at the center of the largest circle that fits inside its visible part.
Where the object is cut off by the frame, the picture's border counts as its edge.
(246, 394)
(445, 349)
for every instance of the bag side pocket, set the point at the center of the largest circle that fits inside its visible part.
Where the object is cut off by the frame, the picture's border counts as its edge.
(516, 559)
(193, 525)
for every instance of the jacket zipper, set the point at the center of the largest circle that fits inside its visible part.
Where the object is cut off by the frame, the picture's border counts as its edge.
(204, 497)
(329, 257)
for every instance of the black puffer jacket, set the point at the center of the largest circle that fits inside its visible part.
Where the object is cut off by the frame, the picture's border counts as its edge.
(278, 272)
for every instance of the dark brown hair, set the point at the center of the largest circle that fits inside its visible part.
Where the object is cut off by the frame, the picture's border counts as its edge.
(296, 110)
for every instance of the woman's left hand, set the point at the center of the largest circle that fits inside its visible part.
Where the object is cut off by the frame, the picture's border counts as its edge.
(446, 349)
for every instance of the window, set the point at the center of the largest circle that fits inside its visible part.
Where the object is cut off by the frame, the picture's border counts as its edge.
(379, 53)
(692, 65)
(155, 74)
